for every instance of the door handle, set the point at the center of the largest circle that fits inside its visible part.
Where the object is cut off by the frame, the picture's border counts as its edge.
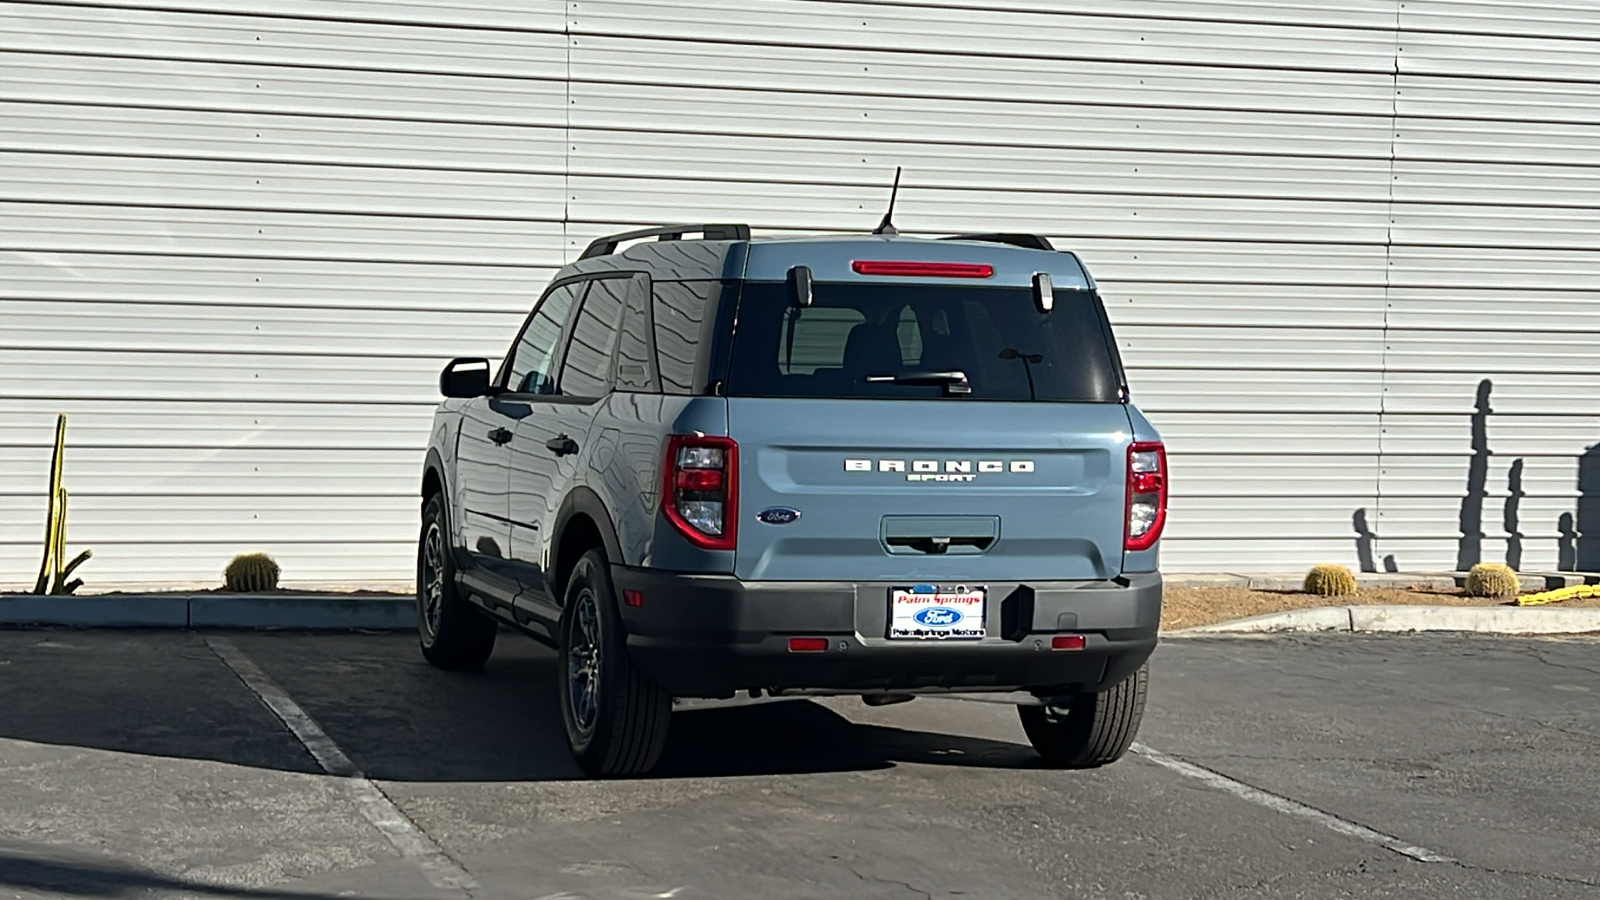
(500, 435)
(561, 445)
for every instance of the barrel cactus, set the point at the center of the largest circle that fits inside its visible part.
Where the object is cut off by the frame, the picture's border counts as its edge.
(251, 572)
(1330, 581)
(1492, 580)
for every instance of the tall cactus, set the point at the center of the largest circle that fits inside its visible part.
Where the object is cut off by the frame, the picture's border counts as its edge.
(52, 574)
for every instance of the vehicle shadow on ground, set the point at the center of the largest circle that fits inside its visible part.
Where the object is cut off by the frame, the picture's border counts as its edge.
(399, 719)
(65, 872)
(411, 722)
(800, 736)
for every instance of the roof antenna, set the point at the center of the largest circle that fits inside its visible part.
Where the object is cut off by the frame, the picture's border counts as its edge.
(886, 227)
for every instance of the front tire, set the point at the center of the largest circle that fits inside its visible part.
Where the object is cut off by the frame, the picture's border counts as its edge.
(454, 635)
(616, 718)
(1095, 730)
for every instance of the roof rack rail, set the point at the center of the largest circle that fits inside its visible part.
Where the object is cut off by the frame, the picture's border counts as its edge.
(608, 245)
(1030, 241)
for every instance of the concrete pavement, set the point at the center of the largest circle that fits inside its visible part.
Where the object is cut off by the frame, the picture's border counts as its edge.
(135, 764)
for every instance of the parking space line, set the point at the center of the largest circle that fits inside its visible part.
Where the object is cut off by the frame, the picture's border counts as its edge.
(1289, 807)
(373, 804)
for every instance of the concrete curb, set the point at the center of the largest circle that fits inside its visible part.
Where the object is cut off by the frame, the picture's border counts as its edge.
(1476, 619)
(289, 611)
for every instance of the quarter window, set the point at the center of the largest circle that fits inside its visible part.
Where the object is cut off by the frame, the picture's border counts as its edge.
(633, 341)
(680, 310)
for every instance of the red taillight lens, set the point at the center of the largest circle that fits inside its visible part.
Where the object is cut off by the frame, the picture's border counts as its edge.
(1147, 494)
(699, 479)
(921, 269)
(700, 496)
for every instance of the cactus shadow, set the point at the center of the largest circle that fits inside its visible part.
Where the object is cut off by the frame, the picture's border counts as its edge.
(1469, 550)
(1365, 541)
(1582, 535)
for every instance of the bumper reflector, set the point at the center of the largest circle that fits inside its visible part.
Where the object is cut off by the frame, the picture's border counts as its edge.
(1067, 642)
(633, 598)
(807, 645)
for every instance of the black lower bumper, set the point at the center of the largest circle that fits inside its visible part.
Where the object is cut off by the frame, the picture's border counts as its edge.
(713, 636)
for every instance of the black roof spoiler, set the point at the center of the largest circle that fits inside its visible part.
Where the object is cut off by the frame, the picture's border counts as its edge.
(1029, 241)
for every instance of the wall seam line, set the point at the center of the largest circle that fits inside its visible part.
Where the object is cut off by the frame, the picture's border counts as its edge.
(1377, 525)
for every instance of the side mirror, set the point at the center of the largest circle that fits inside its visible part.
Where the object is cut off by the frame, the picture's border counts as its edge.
(467, 377)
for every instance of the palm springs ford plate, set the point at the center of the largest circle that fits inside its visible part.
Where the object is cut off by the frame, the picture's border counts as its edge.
(935, 612)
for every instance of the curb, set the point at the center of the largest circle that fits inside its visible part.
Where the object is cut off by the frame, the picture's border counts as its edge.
(1478, 620)
(288, 611)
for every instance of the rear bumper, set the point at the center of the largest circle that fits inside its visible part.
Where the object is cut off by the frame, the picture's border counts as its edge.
(714, 635)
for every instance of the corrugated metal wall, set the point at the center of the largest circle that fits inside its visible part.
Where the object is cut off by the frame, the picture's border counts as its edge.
(238, 239)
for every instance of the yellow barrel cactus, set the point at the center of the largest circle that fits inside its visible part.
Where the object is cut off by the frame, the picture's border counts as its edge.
(1330, 581)
(1492, 580)
(251, 572)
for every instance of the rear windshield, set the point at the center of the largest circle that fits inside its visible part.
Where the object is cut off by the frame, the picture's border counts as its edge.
(909, 341)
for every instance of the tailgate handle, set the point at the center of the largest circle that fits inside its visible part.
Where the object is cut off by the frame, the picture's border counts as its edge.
(939, 535)
(939, 545)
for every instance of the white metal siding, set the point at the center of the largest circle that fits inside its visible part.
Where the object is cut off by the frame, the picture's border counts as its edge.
(238, 239)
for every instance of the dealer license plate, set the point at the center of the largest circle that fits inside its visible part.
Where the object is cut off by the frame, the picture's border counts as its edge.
(936, 612)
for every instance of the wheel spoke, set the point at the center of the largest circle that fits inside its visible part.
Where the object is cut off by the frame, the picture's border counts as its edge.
(432, 586)
(583, 661)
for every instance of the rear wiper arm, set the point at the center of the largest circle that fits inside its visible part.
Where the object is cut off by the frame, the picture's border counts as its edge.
(954, 381)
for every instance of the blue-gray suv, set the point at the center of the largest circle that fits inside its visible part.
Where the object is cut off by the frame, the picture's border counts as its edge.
(712, 466)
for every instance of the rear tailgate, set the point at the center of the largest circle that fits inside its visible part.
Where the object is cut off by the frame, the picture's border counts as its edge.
(929, 491)
(951, 430)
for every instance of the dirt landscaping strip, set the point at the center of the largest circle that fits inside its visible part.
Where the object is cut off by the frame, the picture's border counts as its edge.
(1189, 607)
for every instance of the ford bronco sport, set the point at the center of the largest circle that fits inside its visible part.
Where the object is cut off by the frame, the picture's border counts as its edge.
(712, 466)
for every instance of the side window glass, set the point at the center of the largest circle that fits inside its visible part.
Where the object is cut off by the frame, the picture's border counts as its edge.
(633, 342)
(534, 355)
(587, 367)
(680, 310)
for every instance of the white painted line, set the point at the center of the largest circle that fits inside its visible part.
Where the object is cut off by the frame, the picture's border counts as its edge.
(1290, 807)
(370, 800)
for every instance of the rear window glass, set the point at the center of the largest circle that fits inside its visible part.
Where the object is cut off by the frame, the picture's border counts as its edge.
(869, 341)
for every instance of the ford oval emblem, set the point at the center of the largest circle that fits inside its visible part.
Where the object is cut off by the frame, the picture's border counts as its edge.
(778, 515)
(938, 617)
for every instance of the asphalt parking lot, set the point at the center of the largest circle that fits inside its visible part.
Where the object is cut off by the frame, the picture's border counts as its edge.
(139, 764)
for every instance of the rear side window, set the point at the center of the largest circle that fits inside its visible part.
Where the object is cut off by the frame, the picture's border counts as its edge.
(680, 313)
(587, 365)
(855, 340)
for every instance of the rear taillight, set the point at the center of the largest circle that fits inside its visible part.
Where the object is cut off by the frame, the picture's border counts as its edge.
(700, 496)
(1147, 494)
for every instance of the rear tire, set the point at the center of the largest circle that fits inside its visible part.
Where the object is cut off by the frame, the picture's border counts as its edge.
(1095, 730)
(616, 718)
(454, 635)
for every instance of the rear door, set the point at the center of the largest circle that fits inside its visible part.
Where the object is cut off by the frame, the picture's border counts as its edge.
(849, 412)
(529, 380)
(553, 440)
